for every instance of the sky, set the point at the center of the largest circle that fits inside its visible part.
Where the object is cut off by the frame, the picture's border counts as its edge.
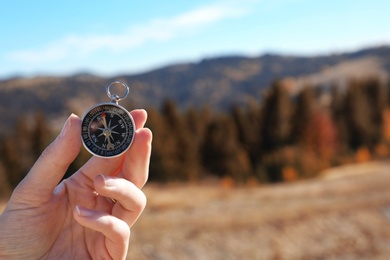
(107, 38)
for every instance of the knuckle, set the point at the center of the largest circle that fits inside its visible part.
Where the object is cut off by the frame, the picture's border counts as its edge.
(50, 156)
(141, 202)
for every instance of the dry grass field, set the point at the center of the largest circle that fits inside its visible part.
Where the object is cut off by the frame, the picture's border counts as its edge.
(343, 215)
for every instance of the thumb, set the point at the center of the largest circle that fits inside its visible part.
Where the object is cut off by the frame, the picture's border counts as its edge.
(38, 185)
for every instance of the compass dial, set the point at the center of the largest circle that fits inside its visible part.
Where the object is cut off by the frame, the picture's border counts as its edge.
(107, 130)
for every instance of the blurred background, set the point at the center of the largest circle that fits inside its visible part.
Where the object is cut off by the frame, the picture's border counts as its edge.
(271, 119)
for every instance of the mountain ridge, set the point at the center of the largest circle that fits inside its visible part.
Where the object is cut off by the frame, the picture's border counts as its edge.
(217, 82)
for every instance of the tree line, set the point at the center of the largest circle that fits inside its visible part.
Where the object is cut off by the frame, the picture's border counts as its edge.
(281, 137)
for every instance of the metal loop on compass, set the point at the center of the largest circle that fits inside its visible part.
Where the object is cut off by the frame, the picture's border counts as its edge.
(115, 97)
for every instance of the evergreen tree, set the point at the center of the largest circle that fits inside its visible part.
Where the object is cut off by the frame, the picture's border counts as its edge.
(163, 164)
(387, 93)
(176, 145)
(275, 126)
(23, 146)
(376, 96)
(357, 112)
(181, 137)
(247, 125)
(16, 152)
(40, 135)
(304, 109)
(337, 109)
(5, 189)
(222, 154)
(12, 161)
(175, 140)
(196, 126)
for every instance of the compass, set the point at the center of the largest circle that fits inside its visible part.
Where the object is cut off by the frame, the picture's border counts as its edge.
(107, 129)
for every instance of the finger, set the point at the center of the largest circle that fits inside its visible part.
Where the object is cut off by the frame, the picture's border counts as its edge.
(53, 163)
(116, 231)
(136, 164)
(97, 165)
(131, 201)
(140, 116)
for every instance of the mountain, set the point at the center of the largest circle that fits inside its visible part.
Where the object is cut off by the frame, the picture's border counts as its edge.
(216, 82)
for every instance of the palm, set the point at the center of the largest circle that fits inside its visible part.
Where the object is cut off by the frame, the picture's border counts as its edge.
(84, 242)
(57, 233)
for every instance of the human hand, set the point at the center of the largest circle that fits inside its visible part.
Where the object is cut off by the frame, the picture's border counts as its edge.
(77, 219)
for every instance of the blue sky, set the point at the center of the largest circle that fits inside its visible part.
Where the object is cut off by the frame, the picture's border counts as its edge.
(112, 37)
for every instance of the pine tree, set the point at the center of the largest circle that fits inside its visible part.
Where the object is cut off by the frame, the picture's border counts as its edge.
(16, 152)
(196, 126)
(376, 96)
(176, 145)
(304, 109)
(222, 154)
(11, 160)
(247, 125)
(5, 189)
(337, 109)
(40, 135)
(275, 126)
(22, 147)
(358, 112)
(163, 164)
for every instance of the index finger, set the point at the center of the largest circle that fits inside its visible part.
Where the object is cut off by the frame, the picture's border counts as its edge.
(136, 164)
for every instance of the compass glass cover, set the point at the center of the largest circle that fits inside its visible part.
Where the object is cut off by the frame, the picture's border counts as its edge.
(107, 130)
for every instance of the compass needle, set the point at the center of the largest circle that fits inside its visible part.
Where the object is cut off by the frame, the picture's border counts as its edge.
(109, 144)
(104, 120)
(112, 138)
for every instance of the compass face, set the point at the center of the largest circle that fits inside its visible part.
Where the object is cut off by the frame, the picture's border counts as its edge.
(107, 130)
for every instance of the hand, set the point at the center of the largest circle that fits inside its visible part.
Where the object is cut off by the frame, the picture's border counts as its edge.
(77, 218)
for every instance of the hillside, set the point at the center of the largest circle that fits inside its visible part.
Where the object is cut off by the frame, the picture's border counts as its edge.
(347, 217)
(217, 82)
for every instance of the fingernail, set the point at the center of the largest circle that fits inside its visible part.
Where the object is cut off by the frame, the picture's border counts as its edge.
(106, 182)
(102, 178)
(66, 126)
(84, 212)
(59, 189)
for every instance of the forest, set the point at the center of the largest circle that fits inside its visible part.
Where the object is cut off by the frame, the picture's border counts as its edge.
(279, 138)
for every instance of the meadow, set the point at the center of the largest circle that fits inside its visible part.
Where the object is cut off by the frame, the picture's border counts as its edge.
(343, 214)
